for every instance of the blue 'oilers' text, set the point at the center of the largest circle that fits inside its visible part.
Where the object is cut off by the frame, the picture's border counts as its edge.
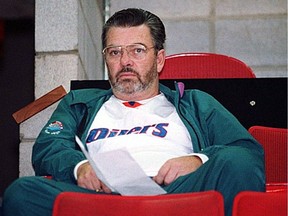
(102, 133)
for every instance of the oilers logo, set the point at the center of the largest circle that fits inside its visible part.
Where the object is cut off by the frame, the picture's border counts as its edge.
(54, 128)
(158, 130)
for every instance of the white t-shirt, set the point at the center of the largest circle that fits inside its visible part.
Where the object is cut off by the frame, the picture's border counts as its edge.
(152, 133)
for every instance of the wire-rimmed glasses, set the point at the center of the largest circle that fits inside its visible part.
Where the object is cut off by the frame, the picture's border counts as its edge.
(134, 51)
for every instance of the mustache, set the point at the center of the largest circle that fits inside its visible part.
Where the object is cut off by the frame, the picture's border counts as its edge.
(126, 69)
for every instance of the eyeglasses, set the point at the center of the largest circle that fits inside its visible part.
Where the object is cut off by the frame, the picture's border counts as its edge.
(135, 52)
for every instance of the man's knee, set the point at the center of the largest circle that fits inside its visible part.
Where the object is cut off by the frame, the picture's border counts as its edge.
(29, 196)
(17, 193)
(243, 165)
(21, 187)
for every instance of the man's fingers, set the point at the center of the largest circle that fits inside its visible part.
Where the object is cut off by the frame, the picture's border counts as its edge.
(87, 178)
(160, 177)
(105, 189)
(170, 177)
(90, 182)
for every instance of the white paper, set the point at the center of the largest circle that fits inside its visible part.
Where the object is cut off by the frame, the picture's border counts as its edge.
(119, 171)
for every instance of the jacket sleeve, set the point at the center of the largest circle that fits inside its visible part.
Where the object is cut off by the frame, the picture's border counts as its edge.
(218, 128)
(55, 152)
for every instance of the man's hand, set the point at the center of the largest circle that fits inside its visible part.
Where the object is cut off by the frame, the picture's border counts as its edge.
(176, 167)
(87, 178)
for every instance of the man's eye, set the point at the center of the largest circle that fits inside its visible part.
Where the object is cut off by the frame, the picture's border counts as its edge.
(114, 52)
(139, 50)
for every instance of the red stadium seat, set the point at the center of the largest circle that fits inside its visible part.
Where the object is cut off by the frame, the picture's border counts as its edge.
(204, 66)
(250, 203)
(274, 200)
(209, 203)
(274, 142)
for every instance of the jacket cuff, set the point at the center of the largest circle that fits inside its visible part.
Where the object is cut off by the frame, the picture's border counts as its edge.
(204, 158)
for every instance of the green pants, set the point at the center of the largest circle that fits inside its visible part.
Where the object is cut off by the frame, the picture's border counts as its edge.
(230, 171)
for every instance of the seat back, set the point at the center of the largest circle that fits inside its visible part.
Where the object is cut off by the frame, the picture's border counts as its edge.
(248, 203)
(274, 141)
(204, 65)
(208, 203)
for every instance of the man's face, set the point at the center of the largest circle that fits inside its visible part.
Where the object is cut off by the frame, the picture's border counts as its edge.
(132, 62)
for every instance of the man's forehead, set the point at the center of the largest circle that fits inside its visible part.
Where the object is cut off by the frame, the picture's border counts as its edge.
(128, 35)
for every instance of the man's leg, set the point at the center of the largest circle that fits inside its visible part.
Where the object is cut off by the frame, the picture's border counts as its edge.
(231, 170)
(34, 196)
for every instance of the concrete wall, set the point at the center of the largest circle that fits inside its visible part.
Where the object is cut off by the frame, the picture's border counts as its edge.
(68, 47)
(68, 42)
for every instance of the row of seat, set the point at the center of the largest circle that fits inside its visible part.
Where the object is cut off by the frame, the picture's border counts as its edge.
(207, 203)
(210, 203)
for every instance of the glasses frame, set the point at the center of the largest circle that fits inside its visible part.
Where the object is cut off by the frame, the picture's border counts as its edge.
(121, 47)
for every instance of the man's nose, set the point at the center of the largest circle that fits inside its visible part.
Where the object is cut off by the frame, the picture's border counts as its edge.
(125, 58)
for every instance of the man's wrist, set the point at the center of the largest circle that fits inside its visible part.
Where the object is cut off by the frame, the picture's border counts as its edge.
(77, 166)
(204, 158)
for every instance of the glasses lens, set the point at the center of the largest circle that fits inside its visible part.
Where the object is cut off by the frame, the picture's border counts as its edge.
(135, 51)
(111, 52)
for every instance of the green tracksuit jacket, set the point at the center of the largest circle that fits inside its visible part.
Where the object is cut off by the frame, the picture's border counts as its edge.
(210, 125)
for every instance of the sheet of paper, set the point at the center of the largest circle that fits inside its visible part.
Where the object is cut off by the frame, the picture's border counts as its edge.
(120, 172)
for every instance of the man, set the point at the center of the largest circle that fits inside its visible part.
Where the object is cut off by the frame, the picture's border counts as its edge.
(186, 140)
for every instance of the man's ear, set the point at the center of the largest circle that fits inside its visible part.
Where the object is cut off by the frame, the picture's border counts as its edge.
(160, 60)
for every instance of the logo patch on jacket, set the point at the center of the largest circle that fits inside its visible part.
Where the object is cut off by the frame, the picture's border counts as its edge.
(54, 128)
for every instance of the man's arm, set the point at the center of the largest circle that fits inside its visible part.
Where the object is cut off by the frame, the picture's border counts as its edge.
(54, 152)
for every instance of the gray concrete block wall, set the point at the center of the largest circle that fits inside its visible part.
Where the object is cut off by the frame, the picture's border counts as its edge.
(56, 25)
(250, 7)
(257, 42)
(25, 167)
(68, 47)
(90, 22)
(251, 30)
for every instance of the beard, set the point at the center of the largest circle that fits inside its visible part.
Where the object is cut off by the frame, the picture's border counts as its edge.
(131, 86)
